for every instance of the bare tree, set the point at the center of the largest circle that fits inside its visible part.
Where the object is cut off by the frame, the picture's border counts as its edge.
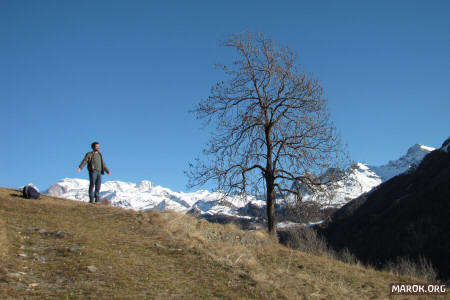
(273, 132)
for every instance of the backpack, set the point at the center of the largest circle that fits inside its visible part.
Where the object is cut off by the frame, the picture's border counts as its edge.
(30, 192)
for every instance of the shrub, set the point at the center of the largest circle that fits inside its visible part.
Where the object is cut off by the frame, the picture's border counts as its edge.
(305, 239)
(423, 269)
(346, 256)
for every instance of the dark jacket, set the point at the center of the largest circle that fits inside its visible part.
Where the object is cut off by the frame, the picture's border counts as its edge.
(89, 159)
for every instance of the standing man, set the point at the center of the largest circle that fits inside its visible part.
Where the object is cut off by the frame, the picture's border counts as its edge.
(96, 167)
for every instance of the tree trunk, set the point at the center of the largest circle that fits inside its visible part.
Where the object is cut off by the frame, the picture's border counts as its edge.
(270, 202)
(270, 181)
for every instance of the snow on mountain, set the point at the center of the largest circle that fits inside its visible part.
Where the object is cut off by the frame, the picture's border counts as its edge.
(145, 195)
(446, 145)
(362, 178)
(412, 158)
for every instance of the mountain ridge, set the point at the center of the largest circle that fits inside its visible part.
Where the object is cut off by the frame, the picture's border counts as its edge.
(405, 217)
(146, 195)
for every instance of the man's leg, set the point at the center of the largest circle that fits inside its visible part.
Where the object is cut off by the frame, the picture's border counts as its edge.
(98, 184)
(91, 186)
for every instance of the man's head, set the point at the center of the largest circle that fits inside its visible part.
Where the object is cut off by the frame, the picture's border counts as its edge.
(95, 146)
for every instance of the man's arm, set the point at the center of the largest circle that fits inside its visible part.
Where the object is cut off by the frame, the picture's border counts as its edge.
(105, 167)
(83, 162)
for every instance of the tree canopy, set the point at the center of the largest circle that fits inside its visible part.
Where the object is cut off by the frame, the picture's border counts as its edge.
(273, 134)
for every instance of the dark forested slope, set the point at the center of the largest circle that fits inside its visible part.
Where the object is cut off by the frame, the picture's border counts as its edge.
(407, 216)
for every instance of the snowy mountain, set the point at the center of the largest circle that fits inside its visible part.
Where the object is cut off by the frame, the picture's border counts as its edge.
(359, 179)
(145, 195)
(362, 178)
(412, 158)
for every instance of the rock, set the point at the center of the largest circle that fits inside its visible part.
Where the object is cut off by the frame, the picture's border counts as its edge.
(14, 227)
(92, 269)
(34, 284)
(41, 259)
(60, 234)
(22, 255)
(156, 244)
(20, 285)
(76, 248)
(43, 230)
(13, 275)
(31, 228)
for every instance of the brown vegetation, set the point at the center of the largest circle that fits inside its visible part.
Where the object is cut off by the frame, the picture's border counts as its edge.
(52, 244)
(306, 239)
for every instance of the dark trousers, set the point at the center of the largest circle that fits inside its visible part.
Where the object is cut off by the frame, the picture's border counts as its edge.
(95, 181)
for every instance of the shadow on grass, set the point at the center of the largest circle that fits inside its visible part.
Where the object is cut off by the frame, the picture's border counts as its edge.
(17, 196)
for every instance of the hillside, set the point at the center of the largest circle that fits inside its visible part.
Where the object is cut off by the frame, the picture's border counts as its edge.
(58, 248)
(407, 216)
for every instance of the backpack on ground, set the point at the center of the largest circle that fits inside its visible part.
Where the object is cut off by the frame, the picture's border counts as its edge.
(30, 192)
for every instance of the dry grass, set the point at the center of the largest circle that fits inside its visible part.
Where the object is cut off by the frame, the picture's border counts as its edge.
(422, 270)
(151, 255)
(307, 240)
(3, 240)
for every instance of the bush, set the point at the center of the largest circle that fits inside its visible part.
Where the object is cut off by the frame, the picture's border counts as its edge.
(346, 256)
(305, 239)
(423, 269)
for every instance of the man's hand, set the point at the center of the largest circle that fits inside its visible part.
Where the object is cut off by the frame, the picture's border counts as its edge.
(79, 170)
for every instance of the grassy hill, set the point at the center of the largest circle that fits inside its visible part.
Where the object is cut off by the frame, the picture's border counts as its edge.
(64, 249)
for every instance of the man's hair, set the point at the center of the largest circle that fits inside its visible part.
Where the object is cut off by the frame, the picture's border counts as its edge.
(93, 145)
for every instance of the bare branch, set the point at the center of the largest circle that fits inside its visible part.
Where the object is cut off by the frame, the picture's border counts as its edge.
(273, 131)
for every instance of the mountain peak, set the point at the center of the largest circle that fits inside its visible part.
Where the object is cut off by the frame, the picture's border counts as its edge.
(412, 158)
(418, 148)
(446, 145)
(145, 185)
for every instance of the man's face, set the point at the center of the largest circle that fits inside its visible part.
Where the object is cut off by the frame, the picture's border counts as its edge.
(96, 147)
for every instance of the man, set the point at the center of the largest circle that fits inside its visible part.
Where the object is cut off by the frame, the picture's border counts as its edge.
(96, 167)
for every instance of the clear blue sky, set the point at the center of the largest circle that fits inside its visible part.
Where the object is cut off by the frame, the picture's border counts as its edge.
(125, 73)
